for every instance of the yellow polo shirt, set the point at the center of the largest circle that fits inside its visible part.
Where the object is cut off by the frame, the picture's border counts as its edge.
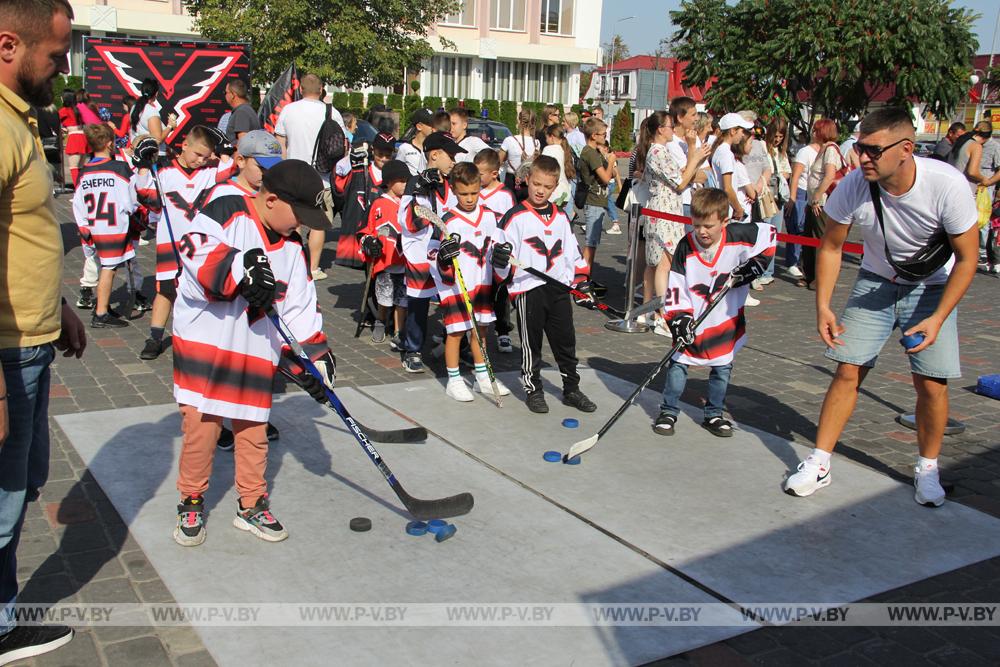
(31, 247)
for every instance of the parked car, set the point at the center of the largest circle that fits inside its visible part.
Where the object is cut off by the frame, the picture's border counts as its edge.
(924, 148)
(490, 131)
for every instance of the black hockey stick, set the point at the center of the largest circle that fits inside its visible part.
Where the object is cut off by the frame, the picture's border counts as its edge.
(423, 510)
(363, 308)
(572, 291)
(584, 445)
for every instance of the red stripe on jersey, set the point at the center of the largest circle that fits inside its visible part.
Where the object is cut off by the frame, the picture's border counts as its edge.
(166, 260)
(418, 276)
(454, 310)
(719, 340)
(221, 375)
(215, 275)
(111, 246)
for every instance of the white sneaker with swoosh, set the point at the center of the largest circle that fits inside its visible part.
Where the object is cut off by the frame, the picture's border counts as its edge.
(810, 478)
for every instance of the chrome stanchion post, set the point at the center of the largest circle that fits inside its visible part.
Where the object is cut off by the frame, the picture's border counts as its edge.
(628, 324)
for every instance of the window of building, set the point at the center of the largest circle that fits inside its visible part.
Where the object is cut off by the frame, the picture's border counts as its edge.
(526, 81)
(625, 83)
(449, 76)
(557, 17)
(507, 15)
(465, 16)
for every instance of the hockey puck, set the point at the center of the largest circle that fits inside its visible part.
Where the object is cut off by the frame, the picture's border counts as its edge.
(911, 341)
(569, 422)
(416, 528)
(361, 524)
(575, 461)
(436, 525)
(552, 456)
(445, 533)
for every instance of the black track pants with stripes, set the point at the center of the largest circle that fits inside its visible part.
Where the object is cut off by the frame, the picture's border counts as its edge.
(546, 310)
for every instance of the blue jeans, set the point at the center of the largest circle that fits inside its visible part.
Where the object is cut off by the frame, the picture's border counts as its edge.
(415, 325)
(673, 387)
(24, 457)
(569, 208)
(775, 222)
(796, 224)
(594, 217)
(612, 207)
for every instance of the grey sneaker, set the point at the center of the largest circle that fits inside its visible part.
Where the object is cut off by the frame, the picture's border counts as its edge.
(378, 332)
(412, 363)
(190, 528)
(259, 521)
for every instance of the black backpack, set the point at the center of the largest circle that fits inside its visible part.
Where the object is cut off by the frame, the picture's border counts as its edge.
(331, 144)
(582, 190)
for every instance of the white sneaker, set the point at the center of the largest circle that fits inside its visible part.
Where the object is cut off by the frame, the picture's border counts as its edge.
(319, 274)
(757, 285)
(661, 329)
(928, 487)
(766, 280)
(994, 268)
(458, 390)
(810, 478)
(752, 301)
(615, 230)
(143, 242)
(484, 386)
(795, 272)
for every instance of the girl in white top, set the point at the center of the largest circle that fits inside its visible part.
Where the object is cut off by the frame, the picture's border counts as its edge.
(517, 148)
(558, 147)
(145, 116)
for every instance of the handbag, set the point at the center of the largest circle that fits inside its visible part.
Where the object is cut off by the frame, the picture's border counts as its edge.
(844, 170)
(984, 205)
(925, 262)
(768, 206)
(780, 188)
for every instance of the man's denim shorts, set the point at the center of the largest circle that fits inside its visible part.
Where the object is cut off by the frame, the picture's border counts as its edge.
(594, 217)
(877, 306)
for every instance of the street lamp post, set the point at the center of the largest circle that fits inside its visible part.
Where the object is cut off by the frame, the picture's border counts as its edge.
(611, 74)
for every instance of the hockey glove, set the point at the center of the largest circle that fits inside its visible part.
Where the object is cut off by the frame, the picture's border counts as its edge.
(587, 288)
(428, 181)
(371, 247)
(501, 255)
(258, 285)
(326, 364)
(682, 328)
(747, 272)
(449, 250)
(359, 156)
(145, 152)
(222, 144)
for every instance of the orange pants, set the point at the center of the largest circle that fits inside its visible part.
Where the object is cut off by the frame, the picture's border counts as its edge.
(200, 435)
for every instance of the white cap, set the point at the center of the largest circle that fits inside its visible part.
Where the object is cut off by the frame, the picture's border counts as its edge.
(731, 120)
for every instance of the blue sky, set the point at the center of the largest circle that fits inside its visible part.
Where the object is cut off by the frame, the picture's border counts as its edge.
(652, 22)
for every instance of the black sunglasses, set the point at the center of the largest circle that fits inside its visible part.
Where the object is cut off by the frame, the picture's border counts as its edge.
(875, 152)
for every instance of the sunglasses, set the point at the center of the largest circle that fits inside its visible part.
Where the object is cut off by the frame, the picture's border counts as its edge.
(875, 152)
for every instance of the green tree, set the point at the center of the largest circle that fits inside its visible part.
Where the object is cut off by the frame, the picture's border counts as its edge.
(615, 51)
(585, 78)
(830, 58)
(621, 129)
(347, 43)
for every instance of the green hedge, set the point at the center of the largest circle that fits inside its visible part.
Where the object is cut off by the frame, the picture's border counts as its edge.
(473, 107)
(450, 103)
(356, 100)
(375, 98)
(394, 101)
(508, 115)
(492, 109)
(410, 104)
(433, 103)
(577, 109)
(340, 101)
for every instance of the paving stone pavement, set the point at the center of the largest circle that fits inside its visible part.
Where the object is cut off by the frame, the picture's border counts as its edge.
(75, 547)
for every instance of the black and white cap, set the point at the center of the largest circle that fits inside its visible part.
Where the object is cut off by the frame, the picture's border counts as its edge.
(298, 184)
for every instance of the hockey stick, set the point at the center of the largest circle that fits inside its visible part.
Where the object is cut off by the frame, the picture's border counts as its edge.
(435, 220)
(166, 216)
(423, 510)
(130, 304)
(363, 308)
(584, 445)
(572, 291)
(653, 304)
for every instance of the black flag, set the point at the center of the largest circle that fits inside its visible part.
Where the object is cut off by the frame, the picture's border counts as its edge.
(284, 90)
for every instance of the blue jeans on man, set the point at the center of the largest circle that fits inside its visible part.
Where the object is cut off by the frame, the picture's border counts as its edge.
(775, 221)
(795, 223)
(24, 457)
(676, 380)
(612, 206)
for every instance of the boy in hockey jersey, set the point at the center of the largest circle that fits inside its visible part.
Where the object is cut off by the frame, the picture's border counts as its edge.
(471, 231)
(538, 234)
(381, 246)
(256, 152)
(241, 257)
(498, 198)
(184, 186)
(704, 260)
(106, 196)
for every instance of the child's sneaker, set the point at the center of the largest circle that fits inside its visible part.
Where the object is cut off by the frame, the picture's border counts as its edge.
(504, 344)
(484, 386)
(396, 343)
(142, 304)
(577, 399)
(87, 299)
(661, 328)
(378, 332)
(107, 321)
(536, 403)
(458, 390)
(752, 301)
(810, 478)
(190, 529)
(615, 229)
(412, 363)
(259, 521)
(928, 491)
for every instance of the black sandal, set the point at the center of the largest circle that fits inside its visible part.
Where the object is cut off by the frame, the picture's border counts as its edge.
(718, 426)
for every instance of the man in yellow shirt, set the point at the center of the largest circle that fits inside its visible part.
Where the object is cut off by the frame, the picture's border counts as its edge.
(34, 41)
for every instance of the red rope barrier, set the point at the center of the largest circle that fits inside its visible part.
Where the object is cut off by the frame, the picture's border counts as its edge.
(854, 248)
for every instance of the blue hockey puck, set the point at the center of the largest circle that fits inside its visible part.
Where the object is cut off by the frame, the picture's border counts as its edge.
(435, 525)
(569, 422)
(575, 461)
(552, 456)
(416, 528)
(446, 532)
(911, 341)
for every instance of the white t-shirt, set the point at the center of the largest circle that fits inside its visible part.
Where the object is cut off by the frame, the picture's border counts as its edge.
(472, 146)
(741, 179)
(518, 148)
(576, 140)
(299, 122)
(678, 149)
(412, 157)
(561, 193)
(806, 156)
(723, 162)
(939, 198)
(151, 109)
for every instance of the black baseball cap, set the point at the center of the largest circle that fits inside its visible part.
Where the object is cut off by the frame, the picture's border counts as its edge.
(394, 170)
(443, 141)
(298, 184)
(384, 142)
(425, 116)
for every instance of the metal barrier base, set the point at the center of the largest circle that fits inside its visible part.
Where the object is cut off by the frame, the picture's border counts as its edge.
(626, 326)
(953, 427)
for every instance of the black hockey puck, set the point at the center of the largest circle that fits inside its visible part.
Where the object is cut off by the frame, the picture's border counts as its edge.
(361, 524)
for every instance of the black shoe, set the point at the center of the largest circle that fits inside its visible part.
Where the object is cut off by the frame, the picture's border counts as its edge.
(226, 440)
(664, 424)
(87, 299)
(578, 400)
(412, 363)
(396, 344)
(272, 432)
(718, 426)
(142, 304)
(536, 403)
(107, 321)
(28, 641)
(152, 350)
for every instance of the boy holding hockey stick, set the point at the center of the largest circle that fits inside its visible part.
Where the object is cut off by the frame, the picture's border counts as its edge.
(703, 262)
(235, 255)
(538, 234)
(498, 198)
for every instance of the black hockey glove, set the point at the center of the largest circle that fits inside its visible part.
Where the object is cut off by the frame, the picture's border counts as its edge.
(501, 255)
(747, 272)
(587, 288)
(371, 247)
(291, 367)
(448, 251)
(428, 181)
(359, 156)
(682, 328)
(222, 144)
(257, 286)
(145, 152)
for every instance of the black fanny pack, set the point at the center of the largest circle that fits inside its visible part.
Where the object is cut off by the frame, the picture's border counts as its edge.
(925, 262)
